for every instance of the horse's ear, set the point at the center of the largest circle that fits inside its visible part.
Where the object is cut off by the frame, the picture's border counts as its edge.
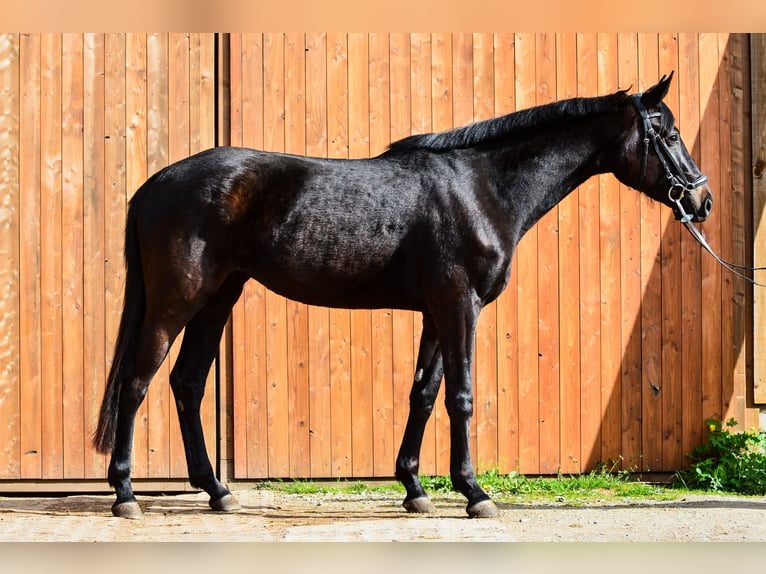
(654, 95)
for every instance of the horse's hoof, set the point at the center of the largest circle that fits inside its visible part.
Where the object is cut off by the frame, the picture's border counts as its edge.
(421, 505)
(130, 510)
(482, 509)
(227, 503)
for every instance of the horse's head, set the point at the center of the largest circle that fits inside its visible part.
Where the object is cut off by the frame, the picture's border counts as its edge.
(655, 160)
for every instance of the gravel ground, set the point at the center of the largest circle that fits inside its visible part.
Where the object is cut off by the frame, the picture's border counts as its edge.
(273, 516)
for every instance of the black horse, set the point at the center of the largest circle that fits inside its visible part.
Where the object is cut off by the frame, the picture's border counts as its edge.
(430, 225)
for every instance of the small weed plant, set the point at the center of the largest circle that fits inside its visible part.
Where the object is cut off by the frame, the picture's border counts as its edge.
(729, 461)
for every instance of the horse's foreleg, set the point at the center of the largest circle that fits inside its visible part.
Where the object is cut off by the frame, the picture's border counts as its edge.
(428, 376)
(457, 339)
(187, 380)
(152, 348)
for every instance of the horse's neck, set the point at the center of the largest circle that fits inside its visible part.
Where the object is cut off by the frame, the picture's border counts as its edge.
(549, 172)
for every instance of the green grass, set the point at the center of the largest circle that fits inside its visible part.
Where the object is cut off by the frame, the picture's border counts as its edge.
(600, 485)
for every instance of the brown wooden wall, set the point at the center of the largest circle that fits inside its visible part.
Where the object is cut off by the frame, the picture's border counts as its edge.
(85, 119)
(615, 339)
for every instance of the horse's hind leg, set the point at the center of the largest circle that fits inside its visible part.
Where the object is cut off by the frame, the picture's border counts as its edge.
(187, 379)
(156, 336)
(428, 375)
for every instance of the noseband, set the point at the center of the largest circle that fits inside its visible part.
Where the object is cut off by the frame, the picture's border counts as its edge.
(679, 183)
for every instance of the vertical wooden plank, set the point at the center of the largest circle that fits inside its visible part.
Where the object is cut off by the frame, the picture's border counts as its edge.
(361, 321)
(202, 136)
(486, 360)
(450, 74)
(179, 101)
(247, 54)
(609, 248)
(724, 206)
(297, 313)
(758, 143)
(691, 275)
(115, 166)
(590, 284)
(10, 382)
(383, 454)
(461, 95)
(651, 287)
(569, 282)
(340, 320)
(231, 86)
(151, 452)
(72, 256)
(710, 164)
(402, 326)
(672, 455)
(50, 257)
(732, 288)
(507, 304)
(30, 180)
(741, 216)
(94, 280)
(320, 439)
(228, 361)
(548, 285)
(527, 274)
(276, 306)
(630, 284)
(421, 121)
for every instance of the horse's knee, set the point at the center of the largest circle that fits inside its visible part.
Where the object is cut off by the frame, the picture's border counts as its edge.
(460, 406)
(422, 401)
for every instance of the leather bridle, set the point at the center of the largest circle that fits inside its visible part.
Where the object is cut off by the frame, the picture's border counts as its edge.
(680, 185)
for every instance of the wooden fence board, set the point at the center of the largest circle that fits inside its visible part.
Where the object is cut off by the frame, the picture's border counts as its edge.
(590, 284)
(630, 282)
(710, 152)
(10, 388)
(568, 283)
(527, 287)
(382, 343)
(94, 314)
(50, 257)
(421, 121)
(297, 313)
(672, 454)
(507, 306)
(651, 289)
(485, 399)
(402, 322)
(319, 427)
(72, 256)
(691, 281)
(609, 205)
(758, 162)
(30, 170)
(547, 285)
(340, 319)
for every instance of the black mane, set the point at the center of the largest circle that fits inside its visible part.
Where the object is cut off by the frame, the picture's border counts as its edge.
(512, 124)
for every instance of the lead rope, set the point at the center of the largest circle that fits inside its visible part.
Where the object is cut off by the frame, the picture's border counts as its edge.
(686, 219)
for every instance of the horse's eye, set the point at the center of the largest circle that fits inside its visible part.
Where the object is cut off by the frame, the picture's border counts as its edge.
(673, 138)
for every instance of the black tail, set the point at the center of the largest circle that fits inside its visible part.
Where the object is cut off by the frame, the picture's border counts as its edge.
(134, 308)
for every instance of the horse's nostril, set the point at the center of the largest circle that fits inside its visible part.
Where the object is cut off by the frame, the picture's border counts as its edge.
(708, 205)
